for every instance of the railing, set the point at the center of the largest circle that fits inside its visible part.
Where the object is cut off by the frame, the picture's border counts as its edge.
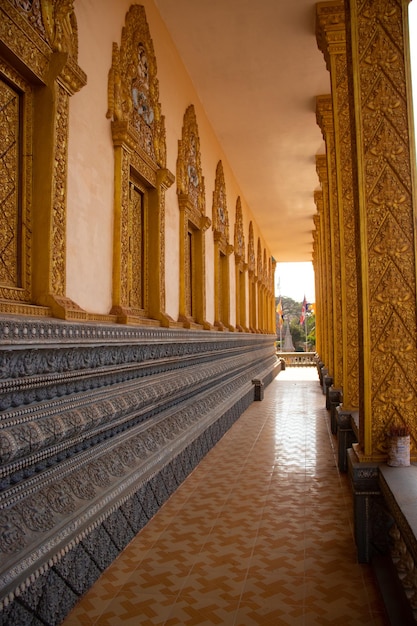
(298, 359)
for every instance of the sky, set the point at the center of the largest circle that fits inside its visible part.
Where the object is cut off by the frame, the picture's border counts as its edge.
(295, 280)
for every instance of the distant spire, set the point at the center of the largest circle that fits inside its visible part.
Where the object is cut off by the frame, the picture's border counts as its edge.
(288, 344)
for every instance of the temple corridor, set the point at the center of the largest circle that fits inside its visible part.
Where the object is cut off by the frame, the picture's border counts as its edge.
(261, 532)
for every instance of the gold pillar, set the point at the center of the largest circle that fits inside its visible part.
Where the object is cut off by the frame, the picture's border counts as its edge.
(317, 265)
(331, 37)
(325, 121)
(384, 185)
(322, 295)
(322, 200)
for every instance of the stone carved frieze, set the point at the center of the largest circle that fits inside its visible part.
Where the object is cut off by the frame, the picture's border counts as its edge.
(43, 513)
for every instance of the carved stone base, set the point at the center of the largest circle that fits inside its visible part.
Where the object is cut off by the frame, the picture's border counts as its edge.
(63, 308)
(327, 383)
(366, 492)
(345, 437)
(90, 415)
(335, 398)
(131, 317)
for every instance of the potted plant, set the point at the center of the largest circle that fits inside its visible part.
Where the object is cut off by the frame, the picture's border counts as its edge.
(398, 446)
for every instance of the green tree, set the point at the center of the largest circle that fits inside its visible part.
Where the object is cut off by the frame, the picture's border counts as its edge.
(292, 313)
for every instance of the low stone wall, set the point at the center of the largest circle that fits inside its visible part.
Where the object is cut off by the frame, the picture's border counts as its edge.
(399, 489)
(99, 425)
(298, 359)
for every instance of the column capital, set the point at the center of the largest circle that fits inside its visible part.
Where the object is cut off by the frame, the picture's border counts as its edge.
(322, 173)
(324, 114)
(331, 29)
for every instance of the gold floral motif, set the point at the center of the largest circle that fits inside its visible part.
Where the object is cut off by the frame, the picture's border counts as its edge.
(133, 88)
(47, 46)
(138, 131)
(193, 224)
(388, 267)
(222, 250)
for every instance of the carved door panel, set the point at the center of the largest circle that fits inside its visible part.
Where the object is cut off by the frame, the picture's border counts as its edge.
(15, 188)
(137, 256)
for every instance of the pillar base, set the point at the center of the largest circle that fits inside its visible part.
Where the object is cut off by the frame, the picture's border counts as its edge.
(335, 399)
(367, 501)
(345, 436)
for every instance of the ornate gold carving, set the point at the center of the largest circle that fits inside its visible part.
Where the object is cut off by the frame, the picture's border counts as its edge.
(193, 224)
(222, 250)
(331, 38)
(251, 249)
(220, 214)
(190, 179)
(387, 228)
(252, 279)
(239, 237)
(43, 36)
(322, 201)
(138, 132)
(326, 123)
(133, 92)
(241, 268)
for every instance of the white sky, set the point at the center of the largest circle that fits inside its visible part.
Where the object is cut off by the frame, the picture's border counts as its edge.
(297, 279)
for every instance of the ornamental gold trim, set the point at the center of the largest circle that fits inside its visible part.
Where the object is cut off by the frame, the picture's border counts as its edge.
(138, 131)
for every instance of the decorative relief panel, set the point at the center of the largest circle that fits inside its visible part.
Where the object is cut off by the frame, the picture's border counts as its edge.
(251, 250)
(387, 222)
(190, 179)
(331, 37)
(14, 282)
(241, 268)
(37, 33)
(138, 130)
(323, 207)
(326, 122)
(259, 266)
(193, 223)
(89, 416)
(222, 250)
(134, 87)
(220, 213)
(239, 237)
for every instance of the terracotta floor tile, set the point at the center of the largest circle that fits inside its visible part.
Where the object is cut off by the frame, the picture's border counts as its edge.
(260, 533)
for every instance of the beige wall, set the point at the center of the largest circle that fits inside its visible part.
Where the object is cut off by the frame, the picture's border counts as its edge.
(90, 180)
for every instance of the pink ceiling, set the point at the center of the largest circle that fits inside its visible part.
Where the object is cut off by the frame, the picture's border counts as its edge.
(257, 70)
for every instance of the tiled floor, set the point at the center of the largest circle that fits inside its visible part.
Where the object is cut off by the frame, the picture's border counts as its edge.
(259, 533)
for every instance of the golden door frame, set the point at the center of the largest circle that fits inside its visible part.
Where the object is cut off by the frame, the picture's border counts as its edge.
(193, 225)
(138, 132)
(241, 268)
(222, 251)
(40, 50)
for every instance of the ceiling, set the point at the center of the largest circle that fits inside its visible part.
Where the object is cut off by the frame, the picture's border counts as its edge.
(257, 70)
